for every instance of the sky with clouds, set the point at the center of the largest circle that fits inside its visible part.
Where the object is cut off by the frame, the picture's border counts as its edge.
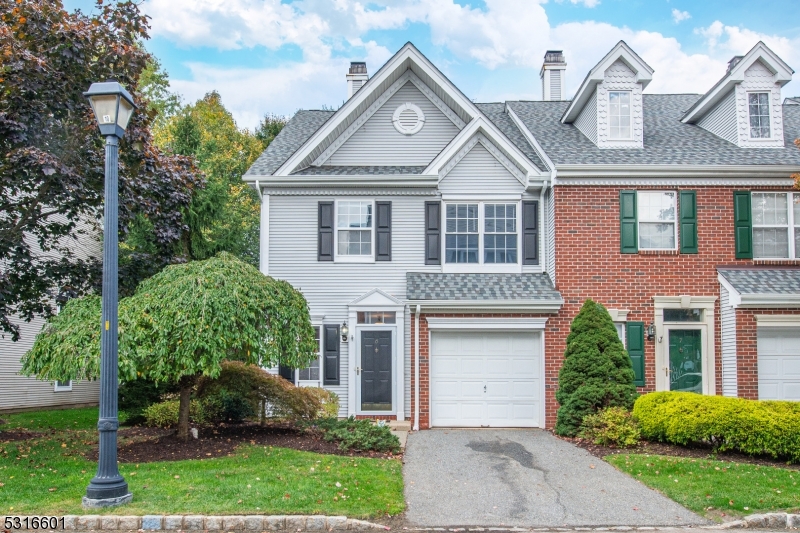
(272, 56)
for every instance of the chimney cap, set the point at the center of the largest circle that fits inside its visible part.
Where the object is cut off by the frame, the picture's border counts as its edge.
(554, 56)
(733, 62)
(358, 67)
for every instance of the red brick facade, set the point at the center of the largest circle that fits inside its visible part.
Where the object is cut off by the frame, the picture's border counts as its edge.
(589, 265)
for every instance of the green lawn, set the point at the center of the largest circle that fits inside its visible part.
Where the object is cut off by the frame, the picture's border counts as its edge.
(715, 487)
(48, 476)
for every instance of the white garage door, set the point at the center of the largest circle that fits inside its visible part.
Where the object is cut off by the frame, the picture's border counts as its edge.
(778, 364)
(489, 379)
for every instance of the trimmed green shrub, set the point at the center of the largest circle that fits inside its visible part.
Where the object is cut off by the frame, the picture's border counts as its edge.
(597, 371)
(748, 426)
(360, 435)
(165, 414)
(136, 396)
(329, 401)
(613, 426)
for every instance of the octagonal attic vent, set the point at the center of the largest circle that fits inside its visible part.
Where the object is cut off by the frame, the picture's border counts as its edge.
(408, 119)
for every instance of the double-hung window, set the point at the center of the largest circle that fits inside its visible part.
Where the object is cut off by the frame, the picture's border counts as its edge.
(482, 233)
(311, 372)
(776, 225)
(758, 109)
(656, 218)
(354, 228)
(619, 114)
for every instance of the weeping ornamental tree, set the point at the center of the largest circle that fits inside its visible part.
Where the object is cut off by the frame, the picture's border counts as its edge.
(597, 371)
(180, 325)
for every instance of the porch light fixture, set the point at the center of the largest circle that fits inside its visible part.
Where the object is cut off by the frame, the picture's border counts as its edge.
(345, 331)
(651, 331)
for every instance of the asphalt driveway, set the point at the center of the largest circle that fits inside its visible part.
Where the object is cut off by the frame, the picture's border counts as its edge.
(488, 477)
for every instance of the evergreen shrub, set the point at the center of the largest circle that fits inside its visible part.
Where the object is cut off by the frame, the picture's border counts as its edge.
(597, 372)
(749, 426)
(360, 435)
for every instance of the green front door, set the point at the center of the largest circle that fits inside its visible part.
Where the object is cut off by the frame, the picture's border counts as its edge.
(685, 360)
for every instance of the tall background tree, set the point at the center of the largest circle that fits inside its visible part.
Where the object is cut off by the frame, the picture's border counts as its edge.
(51, 154)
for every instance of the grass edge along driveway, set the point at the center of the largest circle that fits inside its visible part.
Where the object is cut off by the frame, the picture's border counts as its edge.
(48, 475)
(720, 490)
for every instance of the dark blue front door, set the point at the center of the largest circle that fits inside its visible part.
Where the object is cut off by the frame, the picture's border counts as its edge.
(376, 370)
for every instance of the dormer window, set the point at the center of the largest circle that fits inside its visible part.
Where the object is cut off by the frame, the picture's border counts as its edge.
(619, 114)
(758, 104)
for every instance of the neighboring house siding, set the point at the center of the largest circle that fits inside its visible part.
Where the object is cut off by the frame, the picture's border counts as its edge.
(587, 119)
(377, 142)
(727, 322)
(329, 287)
(721, 121)
(19, 392)
(480, 171)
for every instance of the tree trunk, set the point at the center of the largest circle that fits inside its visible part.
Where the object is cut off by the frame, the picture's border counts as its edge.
(187, 384)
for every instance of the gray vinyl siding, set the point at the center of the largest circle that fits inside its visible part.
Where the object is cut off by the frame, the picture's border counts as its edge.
(721, 121)
(377, 142)
(587, 120)
(480, 171)
(549, 235)
(330, 287)
(19, 392)
(727, 322)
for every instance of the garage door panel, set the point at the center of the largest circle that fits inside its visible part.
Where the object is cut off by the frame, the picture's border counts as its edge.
(778, 364)
(499, 374)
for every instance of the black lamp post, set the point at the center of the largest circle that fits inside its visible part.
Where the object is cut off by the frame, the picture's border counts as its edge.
(113, 107)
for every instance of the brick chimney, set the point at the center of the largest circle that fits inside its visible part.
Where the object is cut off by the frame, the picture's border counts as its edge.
(552, 75)
(356, 77)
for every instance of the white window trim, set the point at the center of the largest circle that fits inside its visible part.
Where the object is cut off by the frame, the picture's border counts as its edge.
(312, 382)
(337, 258)
(480, 266)
(750, 137)
(630, 115)
(791, 224)
(620, 317)
(62, 388)
(639, 221)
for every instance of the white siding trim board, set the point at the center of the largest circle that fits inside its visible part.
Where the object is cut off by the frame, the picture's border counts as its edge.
(727, 321)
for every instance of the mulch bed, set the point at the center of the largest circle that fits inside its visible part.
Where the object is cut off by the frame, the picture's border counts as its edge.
(145, 445)
(16, 435)
(698, 452)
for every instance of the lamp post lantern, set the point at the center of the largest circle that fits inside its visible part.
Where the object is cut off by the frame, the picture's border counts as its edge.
(113, 107)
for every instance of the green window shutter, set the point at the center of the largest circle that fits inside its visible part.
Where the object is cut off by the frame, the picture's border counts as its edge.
(634, 332)
(743, 224)
(688, 209)
(629, 240)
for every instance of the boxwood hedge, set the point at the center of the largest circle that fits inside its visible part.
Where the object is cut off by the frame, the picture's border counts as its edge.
(748, 426)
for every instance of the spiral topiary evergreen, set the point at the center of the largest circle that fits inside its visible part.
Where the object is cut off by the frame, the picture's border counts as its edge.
(597, 371)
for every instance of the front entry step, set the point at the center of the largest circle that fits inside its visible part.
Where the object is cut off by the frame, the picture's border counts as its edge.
(400, 425)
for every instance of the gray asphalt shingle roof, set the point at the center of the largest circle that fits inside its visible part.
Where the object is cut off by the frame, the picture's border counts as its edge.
(763, 280)
(296, 132)
(666, 139)
(331, 170)
(497, 114)
(434, 286)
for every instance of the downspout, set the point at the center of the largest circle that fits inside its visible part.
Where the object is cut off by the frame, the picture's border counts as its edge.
(416, 369)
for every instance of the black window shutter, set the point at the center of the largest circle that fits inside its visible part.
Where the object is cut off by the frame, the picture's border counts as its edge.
(628, 238)
(325, 224)
(634, 332)
(286, 373)
(530, 233)
(383, 231)
(331, 355)
(688, 233)
(433, 233)
(743, 224)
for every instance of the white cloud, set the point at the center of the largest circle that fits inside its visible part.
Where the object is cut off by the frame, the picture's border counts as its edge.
(507, 38)
(679, 16)
(587, 3)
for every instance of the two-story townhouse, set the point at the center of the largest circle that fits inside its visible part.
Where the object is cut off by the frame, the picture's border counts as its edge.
(445, 246)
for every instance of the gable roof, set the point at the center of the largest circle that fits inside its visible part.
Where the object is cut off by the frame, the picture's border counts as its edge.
(760, 52)
(667, 141)
(296, 132)
(620, 52)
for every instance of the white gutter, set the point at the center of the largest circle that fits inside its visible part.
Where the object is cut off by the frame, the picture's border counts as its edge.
(540, 306)
(361, 180)
(768, 300)
(416, 369)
